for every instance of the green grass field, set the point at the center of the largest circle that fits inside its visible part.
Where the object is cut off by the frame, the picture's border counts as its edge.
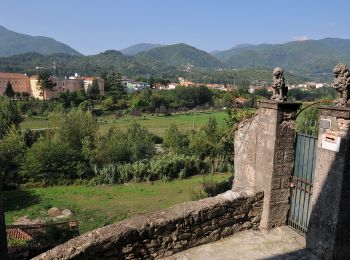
(96, 206)
(155, 124)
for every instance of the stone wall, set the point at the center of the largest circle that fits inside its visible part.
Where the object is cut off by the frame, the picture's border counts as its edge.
(264, 154)
(245, 154)
(328, 233)
(164, 233)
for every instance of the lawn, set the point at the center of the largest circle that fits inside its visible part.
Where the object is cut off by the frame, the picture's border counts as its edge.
(155, 124)
(96, 206)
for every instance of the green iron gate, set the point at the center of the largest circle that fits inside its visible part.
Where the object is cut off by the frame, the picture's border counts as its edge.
(301, 186)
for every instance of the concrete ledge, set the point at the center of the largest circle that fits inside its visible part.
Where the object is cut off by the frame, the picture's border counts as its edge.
(164, 233)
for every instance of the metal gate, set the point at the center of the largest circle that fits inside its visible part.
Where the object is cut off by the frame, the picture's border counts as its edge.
(301, 187)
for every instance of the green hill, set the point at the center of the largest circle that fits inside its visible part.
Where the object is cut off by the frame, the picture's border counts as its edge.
(140, 47)
(181, 54)
(312, 58)
(13, 43)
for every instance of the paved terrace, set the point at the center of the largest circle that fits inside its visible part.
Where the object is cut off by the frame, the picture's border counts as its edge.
(278, 243)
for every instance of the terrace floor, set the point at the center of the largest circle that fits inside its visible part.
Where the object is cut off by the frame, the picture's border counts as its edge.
(278, 243)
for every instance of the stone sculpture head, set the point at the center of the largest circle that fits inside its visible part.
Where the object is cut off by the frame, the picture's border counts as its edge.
(278, 85)
(341, 84)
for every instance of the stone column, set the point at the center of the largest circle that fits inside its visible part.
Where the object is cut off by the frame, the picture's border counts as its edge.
(274, 159)
(328, 233)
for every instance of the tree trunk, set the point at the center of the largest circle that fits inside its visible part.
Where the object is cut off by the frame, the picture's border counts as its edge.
(3, 238)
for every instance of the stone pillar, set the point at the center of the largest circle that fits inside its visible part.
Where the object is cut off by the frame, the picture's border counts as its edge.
(274, 159)
(328, 233)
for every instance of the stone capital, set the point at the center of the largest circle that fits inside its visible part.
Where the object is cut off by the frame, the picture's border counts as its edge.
(285, 106)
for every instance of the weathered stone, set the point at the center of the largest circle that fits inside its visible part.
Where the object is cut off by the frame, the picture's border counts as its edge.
(242, 216)
(341, 83)
(214, 221)
(280, 195)
(66, 213)
(227, 231)
(215, 212)
(328, 233)
(256, 219)
(54, 212)
(208, 228)
(254, 212)
(279, 87)
(215, 235)
(185, 236)
(247, 225)
(224, 222)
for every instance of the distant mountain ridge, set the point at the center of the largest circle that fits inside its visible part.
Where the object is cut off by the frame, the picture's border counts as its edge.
(13, 43)
(139, 47)
(181, 54)
(310, 57)
(313, 59)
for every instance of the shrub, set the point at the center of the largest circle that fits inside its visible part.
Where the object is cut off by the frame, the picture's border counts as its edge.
(74, 127)
(125, 147)
(52, 162)
(175, 140)
(210, 188)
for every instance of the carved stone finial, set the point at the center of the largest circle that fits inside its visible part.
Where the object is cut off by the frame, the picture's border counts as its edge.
(279, 86)
(341, 83)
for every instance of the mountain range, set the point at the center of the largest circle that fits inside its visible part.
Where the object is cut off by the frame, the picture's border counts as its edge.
(313, 59)
(310, 57)
(140, 47)
(13, 43)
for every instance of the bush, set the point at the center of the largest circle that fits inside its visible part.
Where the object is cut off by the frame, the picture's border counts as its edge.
(165, 167)
(52, 162)
(210, 188)
(74, 127)
(175, 140)
(125, 147)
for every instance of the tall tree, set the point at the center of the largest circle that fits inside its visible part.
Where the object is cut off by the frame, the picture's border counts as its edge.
(9, 90)
(94, 91)
(44, 82)
(114, 86)
(9, 117)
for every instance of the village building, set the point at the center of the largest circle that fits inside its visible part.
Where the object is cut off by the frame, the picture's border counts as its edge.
(132, 86)
(21, 83)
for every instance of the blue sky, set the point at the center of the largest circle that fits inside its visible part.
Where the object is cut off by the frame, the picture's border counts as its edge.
(92, 26)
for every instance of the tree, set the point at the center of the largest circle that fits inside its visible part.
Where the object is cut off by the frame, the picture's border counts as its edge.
(113, 85)
(93, 92)
(9, 90)
(175, 140)
(44, 82)
(123, 147)
(51, 162)
(73, 127)
(9, 115)
(9, 118)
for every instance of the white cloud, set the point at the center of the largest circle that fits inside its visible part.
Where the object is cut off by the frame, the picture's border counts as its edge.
(301, 38)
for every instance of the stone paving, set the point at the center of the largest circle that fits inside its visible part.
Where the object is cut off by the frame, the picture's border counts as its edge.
(278, 243)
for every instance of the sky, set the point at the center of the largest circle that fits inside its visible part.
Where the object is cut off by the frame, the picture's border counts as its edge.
(93, 26)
